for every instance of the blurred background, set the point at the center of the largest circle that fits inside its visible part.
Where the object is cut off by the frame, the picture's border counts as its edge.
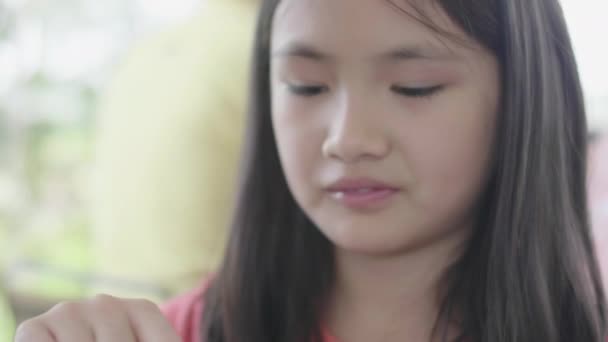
(115, 114)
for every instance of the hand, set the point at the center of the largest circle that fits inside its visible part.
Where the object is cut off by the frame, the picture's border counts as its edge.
(101, 319)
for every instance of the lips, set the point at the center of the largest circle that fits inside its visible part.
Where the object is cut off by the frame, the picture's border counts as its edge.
(359, 185)
(362, 193)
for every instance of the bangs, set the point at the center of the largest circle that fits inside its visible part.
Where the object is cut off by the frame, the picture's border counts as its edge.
(476, 19)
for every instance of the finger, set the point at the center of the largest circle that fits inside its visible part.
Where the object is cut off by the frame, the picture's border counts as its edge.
(67, 322)
(109, 320)
(33, 330)
(148, 322)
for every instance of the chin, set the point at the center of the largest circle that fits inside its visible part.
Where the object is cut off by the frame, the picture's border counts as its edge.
(366, 241)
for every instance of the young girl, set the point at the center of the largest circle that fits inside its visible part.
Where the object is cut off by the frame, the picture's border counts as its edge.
(415, 171)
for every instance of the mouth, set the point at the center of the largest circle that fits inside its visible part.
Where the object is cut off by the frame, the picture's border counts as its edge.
(362, 193)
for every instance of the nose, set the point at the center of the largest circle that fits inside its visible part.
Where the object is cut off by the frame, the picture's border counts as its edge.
(355, 133)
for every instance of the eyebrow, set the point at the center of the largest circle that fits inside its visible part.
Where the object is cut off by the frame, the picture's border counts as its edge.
(301, 50)
(412, 52)
(416, 52)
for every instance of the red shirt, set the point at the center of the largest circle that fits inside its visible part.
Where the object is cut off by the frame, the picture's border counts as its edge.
(185, 313)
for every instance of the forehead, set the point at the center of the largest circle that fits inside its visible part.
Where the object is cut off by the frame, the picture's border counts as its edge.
(352, 25)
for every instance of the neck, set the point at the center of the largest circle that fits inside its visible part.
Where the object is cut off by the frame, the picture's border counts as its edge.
(388, 298)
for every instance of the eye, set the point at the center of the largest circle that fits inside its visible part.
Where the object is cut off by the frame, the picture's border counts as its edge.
(306, 90)
(416, 91)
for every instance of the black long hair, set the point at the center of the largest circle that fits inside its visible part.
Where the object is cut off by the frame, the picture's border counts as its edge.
(529, 273)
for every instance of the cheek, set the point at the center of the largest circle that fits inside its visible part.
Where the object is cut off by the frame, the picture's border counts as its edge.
(450, 153)
(299, 142)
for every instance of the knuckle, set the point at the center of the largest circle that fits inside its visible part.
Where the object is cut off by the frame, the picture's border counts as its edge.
(104, 300)
(28, 330)
(64, 309)
(105, 305)
(145, 305)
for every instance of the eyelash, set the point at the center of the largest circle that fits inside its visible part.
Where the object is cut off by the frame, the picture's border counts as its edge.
(306, 91)
(417, 92)
(420, 92)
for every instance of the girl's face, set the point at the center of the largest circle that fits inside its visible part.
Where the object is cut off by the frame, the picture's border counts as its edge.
(384, 128)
